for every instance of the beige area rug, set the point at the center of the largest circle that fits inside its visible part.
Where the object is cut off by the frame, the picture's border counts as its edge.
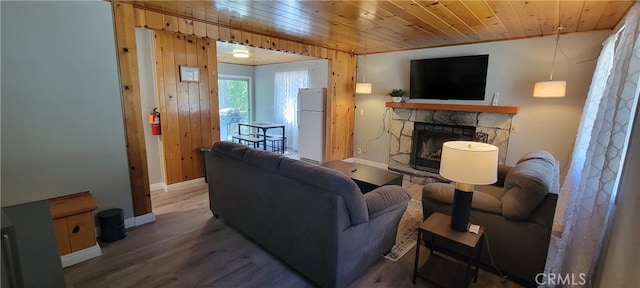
(407, 231)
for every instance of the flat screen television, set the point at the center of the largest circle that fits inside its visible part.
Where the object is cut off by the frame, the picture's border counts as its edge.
(460, 78)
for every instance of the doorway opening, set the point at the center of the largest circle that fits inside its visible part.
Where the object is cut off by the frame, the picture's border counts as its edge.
(234, 99)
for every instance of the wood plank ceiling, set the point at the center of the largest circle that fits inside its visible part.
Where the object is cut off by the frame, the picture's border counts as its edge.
(383, 26)
(257, 56)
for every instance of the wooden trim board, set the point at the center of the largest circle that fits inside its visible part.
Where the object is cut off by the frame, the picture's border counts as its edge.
(454, 107)
(124, 26)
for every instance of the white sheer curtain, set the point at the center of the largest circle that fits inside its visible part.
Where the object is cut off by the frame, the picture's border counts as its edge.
(285, 102)
(591, 183)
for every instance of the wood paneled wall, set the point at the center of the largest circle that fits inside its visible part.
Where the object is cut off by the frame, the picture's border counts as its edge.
(123, 18)
(342, 102)
(341, 91)
(188, 110)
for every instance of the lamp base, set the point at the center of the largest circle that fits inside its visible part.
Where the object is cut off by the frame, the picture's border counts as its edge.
(461, 210)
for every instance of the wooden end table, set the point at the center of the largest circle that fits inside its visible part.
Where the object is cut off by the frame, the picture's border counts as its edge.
(435, 229)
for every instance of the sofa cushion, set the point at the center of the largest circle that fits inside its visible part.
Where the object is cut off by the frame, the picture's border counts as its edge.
(234, 150)
(493, 190)
(263, 159)
(443, 192)
(527, 184)
(385, 197)
(330, 180)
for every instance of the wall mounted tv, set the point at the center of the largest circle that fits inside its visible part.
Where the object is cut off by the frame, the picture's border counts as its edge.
(459, 78)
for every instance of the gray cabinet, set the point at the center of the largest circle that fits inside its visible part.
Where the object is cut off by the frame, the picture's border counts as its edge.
(29, 250)
(11, 272)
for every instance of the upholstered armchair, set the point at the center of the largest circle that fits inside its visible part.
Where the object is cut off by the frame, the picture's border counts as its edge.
(517, 213)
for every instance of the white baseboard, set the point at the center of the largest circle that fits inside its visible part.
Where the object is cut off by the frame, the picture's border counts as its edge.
(129, 222)
(139, 220)
(144, 219)
(158, 186)
(192, 184)
(79, 256)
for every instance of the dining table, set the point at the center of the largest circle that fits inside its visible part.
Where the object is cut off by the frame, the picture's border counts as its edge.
(264, 127)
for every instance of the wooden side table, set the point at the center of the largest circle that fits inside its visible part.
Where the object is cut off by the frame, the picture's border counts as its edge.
(435, 229)
(73, 221)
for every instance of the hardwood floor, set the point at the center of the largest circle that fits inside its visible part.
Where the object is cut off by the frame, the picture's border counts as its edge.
(187, 247)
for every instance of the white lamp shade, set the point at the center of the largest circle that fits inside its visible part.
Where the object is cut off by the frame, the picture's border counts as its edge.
(469, 162)
(363, 88)
(550, 89)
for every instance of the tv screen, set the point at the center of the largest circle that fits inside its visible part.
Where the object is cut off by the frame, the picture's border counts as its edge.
(460, 78)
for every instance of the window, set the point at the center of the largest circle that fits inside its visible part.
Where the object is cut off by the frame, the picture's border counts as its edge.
(285, 104)
(234, 102)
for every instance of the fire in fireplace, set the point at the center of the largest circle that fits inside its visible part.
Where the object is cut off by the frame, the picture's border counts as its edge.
(428, 139)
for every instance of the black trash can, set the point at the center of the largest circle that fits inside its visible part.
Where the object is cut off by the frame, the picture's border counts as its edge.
(111, 225)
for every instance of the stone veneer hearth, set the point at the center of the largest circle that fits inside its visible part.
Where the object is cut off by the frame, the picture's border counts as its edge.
(496, 125)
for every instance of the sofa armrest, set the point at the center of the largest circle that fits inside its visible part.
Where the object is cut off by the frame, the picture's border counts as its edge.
(384, 197)
(544, 213)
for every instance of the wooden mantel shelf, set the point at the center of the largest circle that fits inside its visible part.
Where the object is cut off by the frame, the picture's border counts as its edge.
(454, 107)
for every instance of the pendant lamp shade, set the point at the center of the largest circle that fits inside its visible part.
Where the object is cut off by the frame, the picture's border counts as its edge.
(550, 89)
(363, 88)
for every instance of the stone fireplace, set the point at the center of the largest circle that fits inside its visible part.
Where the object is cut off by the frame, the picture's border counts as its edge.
(427, 143)
(422, 131)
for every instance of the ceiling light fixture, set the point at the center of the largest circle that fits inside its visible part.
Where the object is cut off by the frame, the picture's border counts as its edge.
(551, 89)
(240, 53)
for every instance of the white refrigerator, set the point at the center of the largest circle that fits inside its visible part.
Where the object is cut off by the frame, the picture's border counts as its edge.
(311, 124)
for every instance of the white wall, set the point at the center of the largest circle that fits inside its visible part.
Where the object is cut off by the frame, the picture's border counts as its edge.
(62, 123)
(149, 100)
(264, 84)
(233, 69)
(514, 67)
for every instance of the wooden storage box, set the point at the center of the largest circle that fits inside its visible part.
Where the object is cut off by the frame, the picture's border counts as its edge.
(73, 222)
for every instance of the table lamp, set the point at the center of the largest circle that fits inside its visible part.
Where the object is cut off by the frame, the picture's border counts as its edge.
(468, 164)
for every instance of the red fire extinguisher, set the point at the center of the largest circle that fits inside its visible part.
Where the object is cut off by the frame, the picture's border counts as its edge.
(154, 120)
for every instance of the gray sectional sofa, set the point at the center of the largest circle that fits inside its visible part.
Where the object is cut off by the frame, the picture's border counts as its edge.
(517, 213)
(313, 218)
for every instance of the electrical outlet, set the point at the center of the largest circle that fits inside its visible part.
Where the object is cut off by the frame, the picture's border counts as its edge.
(515, 128)
(359, 151)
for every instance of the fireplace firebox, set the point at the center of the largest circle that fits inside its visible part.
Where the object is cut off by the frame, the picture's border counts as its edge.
(428, 139)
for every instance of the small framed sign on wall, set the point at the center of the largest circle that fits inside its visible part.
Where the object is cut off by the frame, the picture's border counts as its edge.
(189, 74)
